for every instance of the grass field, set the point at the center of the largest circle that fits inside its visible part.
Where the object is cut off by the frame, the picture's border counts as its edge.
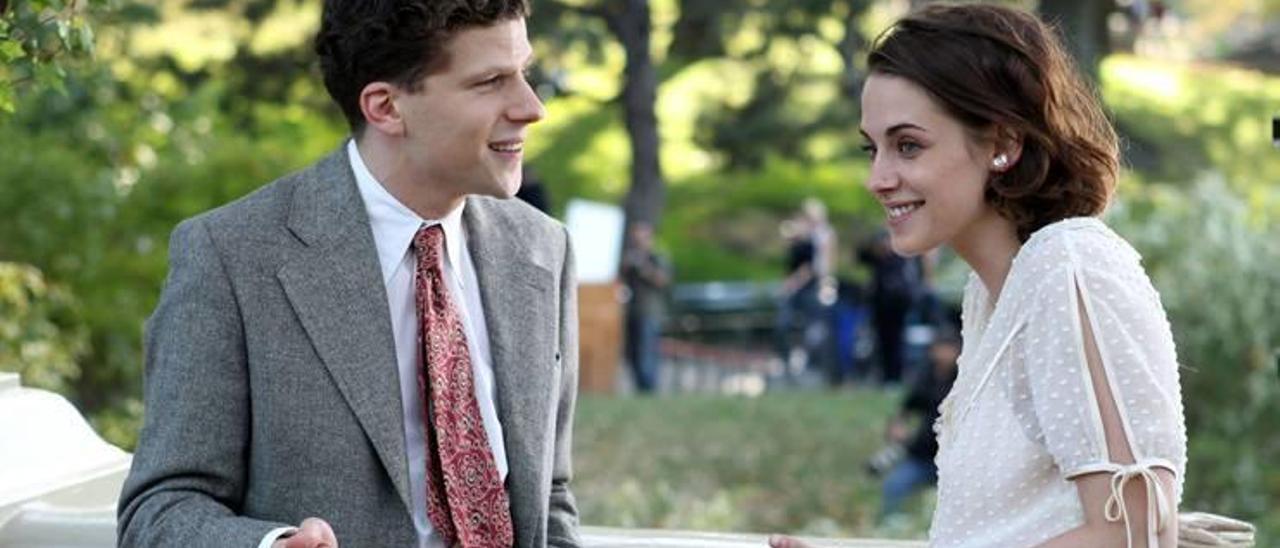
(783, 462)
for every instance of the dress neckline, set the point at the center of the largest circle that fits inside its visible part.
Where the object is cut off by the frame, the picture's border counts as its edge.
(987, 308)
(985, 312)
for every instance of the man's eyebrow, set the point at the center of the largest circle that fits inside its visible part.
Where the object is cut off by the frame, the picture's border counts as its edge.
(501, 68)
(491, 70)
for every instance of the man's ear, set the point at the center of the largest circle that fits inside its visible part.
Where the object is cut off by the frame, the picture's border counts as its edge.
(377, 103)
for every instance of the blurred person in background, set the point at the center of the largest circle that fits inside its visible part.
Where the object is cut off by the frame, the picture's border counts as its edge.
(807, 291)
(646, 275)
(814, 214)
(533, 191)
(896, 284)
(914, 468)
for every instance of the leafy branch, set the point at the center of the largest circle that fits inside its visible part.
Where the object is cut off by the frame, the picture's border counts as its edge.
(37, 39)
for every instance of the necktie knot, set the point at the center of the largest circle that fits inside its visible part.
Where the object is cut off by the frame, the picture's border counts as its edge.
(429, 243)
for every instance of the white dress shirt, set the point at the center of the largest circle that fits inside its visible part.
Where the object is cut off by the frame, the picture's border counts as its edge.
(394, 226)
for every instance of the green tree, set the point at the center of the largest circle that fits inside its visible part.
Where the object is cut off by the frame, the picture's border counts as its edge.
(1216, 274)
(97, 174)
(629, 22)
(37, 39)
(703, 30)
(1084, 27)
(769, 123)
(39, 337)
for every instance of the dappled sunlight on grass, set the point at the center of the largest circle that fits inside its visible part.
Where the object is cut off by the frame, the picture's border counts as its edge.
(1183, 121)
(1155, 81)
(792, 462)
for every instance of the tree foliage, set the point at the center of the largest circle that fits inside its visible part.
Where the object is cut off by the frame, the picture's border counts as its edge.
(1216, 273)
(37, 39)
(98, 170)
(38, 333)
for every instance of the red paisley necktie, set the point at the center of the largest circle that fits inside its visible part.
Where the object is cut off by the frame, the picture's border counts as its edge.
(466, 501)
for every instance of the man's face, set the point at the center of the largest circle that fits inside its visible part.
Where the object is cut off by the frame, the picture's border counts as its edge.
(642, 236)
(465, 128)
(944, 356)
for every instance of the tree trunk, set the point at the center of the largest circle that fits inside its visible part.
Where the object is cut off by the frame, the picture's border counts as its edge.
(851, 48)
(629, 21)
(1083, 26)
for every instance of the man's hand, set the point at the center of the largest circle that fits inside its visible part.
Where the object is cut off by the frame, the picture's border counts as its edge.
(312, 533)
(780, 541)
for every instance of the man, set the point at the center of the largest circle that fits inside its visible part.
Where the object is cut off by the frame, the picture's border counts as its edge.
(916, 469)
(646, 275)
(798, 304)
(379, 350)
(896, 285)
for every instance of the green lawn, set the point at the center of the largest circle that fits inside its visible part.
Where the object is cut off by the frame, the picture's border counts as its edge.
(789, 462)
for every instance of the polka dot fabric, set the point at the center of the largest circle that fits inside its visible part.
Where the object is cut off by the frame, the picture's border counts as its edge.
(1023, 418)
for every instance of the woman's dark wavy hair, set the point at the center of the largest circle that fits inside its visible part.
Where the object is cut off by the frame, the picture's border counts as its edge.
(993, 67)
(396, 41)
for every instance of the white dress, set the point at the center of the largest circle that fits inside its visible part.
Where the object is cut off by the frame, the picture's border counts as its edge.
(1022, 418)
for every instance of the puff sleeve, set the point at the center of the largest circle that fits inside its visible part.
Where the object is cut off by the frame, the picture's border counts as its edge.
(1097, 281)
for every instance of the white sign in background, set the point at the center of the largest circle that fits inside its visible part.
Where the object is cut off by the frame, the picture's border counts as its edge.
(596, 230)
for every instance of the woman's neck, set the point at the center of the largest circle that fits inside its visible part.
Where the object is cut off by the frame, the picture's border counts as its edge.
(988, 246)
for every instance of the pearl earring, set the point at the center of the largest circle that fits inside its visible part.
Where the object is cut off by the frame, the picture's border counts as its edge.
(1000, 162)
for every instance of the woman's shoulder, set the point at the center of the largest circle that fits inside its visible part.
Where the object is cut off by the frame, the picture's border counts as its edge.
(1078, 243)
(1071, 254)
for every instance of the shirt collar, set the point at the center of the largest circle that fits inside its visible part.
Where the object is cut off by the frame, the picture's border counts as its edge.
(394, 224)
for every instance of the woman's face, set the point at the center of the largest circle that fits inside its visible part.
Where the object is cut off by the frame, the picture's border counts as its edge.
(926, 169)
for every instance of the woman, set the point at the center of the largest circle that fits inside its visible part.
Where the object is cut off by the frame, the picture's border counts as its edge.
(1065, 425)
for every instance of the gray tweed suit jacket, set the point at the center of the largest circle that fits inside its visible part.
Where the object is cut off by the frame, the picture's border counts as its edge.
(271, 384)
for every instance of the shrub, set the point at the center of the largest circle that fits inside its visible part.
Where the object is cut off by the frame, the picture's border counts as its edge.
(1215, 265)
(39, 338)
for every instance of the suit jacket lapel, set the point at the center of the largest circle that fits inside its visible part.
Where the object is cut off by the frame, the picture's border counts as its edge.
(515, 293)
(335, 286)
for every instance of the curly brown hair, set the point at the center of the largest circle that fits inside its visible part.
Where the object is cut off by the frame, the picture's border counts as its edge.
(396, 41)
(1002, 69)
